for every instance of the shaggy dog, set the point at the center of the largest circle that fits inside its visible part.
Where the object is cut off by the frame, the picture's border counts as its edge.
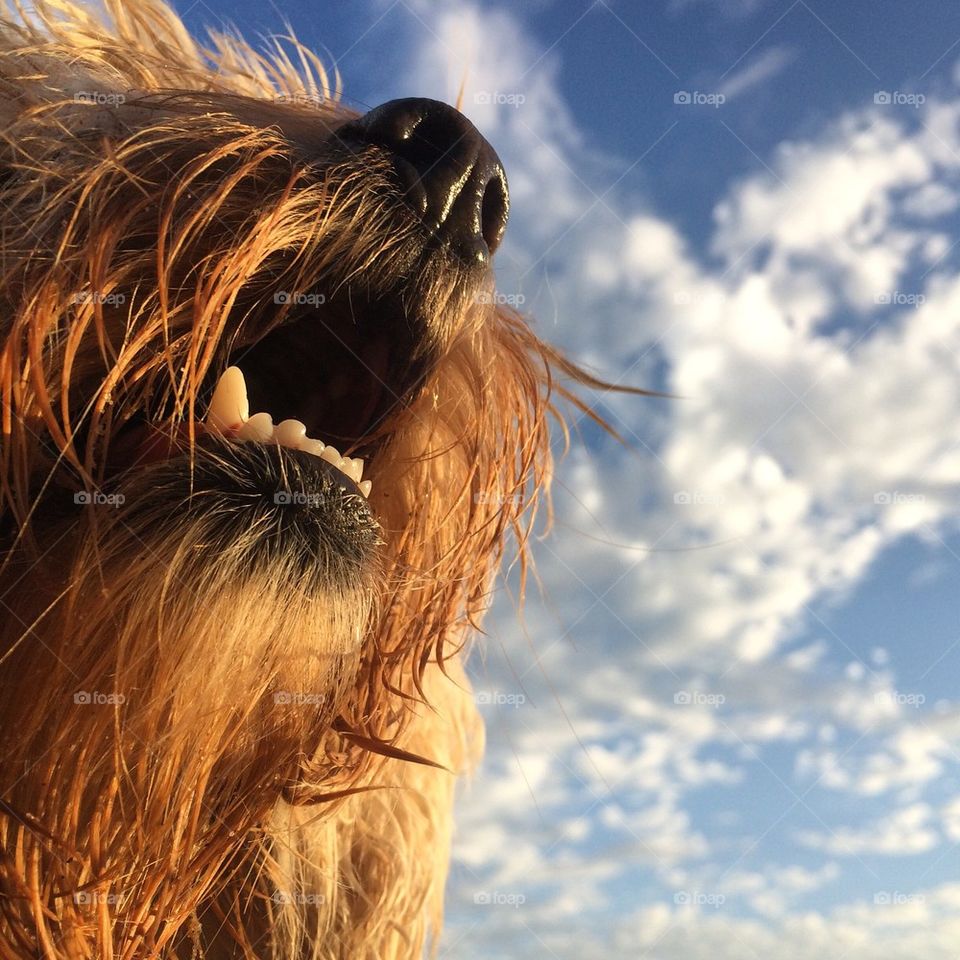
(232, 707)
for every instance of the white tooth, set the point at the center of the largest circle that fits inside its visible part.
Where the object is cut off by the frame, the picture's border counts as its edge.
(259, 428)
(316, 447)
(357, 469)
(365, 487)
(331, 455)
(290, 433)
(229, 406)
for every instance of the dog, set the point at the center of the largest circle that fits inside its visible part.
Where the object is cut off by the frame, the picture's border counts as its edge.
(266, 438)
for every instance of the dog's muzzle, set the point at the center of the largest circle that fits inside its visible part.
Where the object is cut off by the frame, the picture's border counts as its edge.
(453, 177)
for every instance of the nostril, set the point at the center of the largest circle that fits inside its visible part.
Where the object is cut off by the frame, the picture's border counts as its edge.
(451, 176)
(494, 208)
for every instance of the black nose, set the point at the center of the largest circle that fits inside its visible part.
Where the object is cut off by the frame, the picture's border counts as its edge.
(453, 176)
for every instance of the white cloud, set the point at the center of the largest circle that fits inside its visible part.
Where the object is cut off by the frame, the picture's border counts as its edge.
(901, 833)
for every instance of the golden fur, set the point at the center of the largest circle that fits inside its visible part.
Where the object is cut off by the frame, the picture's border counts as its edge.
(189, 812)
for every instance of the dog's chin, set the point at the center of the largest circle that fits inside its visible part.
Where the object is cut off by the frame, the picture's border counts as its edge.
(273, 503)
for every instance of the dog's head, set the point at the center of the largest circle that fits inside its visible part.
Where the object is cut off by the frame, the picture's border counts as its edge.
(206, 612)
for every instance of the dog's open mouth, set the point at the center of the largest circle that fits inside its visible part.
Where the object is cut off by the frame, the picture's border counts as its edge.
(229, 416)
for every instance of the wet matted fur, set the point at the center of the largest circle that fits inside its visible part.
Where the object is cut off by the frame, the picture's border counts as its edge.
(231, 722)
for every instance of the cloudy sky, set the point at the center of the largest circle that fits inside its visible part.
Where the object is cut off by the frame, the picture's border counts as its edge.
(729, 724)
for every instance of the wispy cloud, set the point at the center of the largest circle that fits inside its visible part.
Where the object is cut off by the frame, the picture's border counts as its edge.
(761, 69)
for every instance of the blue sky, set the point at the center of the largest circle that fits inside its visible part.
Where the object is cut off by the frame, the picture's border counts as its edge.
(729, 726)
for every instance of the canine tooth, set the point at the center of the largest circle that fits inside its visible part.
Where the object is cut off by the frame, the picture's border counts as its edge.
(290, 433)
(259, 427)
(365, 487)
(229, 406)
(316, 447)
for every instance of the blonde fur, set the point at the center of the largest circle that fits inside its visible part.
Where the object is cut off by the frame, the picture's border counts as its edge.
(193, 811)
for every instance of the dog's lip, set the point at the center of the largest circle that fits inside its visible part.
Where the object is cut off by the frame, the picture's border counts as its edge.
(142, 444)
(228, 417)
